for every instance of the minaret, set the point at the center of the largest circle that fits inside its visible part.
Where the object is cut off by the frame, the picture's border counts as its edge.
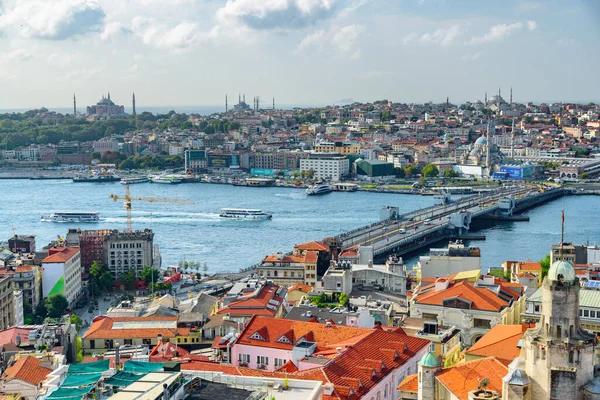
(74, 106)
(447, 102)
(226, 104)
(485, 101)
(511, 95)
(487, 149)
(239, 98)
(108, 95)
(499, 100)
(512, 141)
(133, 104)
(273, 103)
(244, 97)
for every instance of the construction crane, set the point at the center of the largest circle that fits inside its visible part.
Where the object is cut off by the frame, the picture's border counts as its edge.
(128, 200)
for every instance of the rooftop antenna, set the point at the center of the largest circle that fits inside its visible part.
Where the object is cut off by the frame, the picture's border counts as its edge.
(483, 384)
(512, 141)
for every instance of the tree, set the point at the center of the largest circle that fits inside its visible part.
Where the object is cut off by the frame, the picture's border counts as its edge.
(150, 274)
(128, 280)
(431, 171)
(399, 172)
(545, 263)
(75, 320)
(450, 173)
(96, 155)
(205, 268)
(79, 349)
(100, 278)
(56, 304)
(40, 311)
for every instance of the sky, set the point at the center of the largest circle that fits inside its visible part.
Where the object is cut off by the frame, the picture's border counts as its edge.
(302, 52)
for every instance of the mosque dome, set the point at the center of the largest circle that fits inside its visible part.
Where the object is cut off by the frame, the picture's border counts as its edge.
(593, 386)
(562, 268)
(429, 360)
(481, 141)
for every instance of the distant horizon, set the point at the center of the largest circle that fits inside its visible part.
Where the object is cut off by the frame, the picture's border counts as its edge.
(216, 108)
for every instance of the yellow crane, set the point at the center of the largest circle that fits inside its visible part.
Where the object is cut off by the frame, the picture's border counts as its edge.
(128, 198)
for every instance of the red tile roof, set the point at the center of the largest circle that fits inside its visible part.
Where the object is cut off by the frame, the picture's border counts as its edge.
(501, 342)
(461, 379)
(312, 246)
(166, 352)
(409, 384)
(27, 369)
(60, 254)
(309, 257)
(257, 305)
(301, 287)
(10, 335)
(531, 266)
(480, 298)
(102, 328)
(273, 329)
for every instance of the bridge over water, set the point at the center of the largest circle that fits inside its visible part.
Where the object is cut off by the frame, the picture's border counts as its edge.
(400, 234)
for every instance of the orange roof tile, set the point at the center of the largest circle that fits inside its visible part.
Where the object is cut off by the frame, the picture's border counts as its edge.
(60, 254)
(480, 298)
(461, 379)
(256, 305)
(27, 369)
(409, 384)
(272, 329)
(531, 266)
(102, 328)
(301, 287)
(312, 246)
(501, 342)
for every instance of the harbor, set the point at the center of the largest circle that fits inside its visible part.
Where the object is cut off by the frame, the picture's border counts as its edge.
(196, 232)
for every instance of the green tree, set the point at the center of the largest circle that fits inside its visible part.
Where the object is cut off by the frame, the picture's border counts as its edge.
(545, 263)
(431, 171)
(343, 299)
(150, 274)
(79, 349)
(40, 311)
(96, 155)
(399, 172)
(128, 280)
(75, 320)
(450, 173)
(56, 304)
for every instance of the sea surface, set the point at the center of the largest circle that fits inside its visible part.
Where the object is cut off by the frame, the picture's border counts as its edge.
(196, 233)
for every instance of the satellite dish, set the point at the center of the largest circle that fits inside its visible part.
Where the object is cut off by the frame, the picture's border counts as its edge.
(483, 383)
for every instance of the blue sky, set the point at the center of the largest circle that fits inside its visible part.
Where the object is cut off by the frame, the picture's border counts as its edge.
(192, 52)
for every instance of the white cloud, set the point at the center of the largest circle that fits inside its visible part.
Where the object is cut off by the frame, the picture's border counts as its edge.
(313, 39)
(51, 19)
(441, 36)
(239, 17)
(344, 41)
(497, 32)
(177, 38)
(114, 29)
(531, 25)
(18, 55)
(567, 42)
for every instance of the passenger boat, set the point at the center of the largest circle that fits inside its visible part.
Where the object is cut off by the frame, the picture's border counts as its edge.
(243, 213)
(319, 188)
(131, 181)
(98, 178)
(72, 217)
(166, 179)
(345, 187)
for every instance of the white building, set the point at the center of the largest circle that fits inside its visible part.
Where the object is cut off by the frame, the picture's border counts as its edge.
(327, 166)
(176, 150)
(62, 273)
(452, 260)
(106, 144)
(18, 308)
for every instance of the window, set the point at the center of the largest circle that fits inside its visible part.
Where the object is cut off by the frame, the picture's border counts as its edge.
(128, 341)
(586, 313)
(262, 360)
(481, 323)
(146, 341)
(244, 358)
(92, 344)
(279, 362)
(537, 309)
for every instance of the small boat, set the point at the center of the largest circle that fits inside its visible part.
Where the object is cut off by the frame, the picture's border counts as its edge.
(131, 181)
(98, 178)
(72, 217)
(165, 179)
(243, 213)
(345, 187)
(319, 188)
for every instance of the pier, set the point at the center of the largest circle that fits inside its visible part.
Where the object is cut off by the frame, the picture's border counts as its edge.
(403, 233)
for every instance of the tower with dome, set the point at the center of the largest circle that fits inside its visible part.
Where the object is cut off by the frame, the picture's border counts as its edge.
(557, 356)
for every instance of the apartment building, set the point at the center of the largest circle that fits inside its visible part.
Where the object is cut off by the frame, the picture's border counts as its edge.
(7, 315)
(61, 273)
(327, 166)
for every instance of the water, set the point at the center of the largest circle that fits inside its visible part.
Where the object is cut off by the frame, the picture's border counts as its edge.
(196, 233)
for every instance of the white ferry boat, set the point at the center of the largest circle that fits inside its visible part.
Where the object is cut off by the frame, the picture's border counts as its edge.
(243, 213)
(72, 217)
(131, 181)
(166, 179)
(320, 188)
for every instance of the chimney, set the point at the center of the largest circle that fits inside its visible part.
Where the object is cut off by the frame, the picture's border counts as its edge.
(117, 356)
(441, 284)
